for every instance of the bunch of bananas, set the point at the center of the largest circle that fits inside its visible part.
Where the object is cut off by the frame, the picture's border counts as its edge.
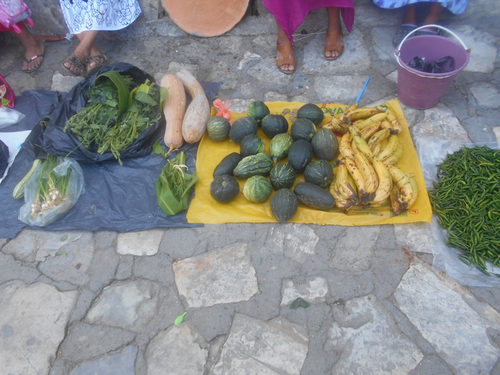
(365, 173)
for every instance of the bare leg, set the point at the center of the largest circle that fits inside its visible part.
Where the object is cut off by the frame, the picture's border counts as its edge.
(410, 14)
(33, 47)
(289, 60)
(85, 49)
(334, 42)
(434, 14)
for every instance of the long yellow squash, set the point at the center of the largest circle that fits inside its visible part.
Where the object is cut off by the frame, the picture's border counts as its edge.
(173, 108)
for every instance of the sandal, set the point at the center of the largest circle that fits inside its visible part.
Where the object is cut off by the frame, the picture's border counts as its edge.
(77, 63)
(334, 42)
(286, 51)
(403, 30)
(98, 60)
(34, 57)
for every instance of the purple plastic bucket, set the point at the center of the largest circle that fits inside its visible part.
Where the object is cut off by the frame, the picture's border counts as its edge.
(420, 89)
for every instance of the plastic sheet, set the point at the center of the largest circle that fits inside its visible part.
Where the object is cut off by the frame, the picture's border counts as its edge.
(4, 158)
(432, 152)
(204, 209)
(76, 185)
(9, 116)
(57, 142)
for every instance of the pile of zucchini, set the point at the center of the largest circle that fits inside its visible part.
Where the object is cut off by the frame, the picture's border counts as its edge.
(299, 144)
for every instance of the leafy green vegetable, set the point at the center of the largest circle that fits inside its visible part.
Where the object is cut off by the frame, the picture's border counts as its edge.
(299, 302)
(174, 185)
(180, 319)
(158, 150)
(64, 238)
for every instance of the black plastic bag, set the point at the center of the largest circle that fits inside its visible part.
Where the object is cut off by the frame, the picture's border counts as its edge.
(4, 158)
(444, 65)
(57, 142)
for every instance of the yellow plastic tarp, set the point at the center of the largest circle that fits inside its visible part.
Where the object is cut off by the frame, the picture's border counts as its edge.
(204, 209)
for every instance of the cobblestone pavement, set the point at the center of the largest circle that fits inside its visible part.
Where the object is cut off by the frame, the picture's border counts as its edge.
(105, 303)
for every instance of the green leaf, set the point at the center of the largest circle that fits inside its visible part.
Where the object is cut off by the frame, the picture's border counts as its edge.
(158, 150)
(299, 302)
(144, 98)
(5, 102)
(121, 86)
(259, 261)
(163, 95)
(61, 253)
(179, 319)
(64, 238)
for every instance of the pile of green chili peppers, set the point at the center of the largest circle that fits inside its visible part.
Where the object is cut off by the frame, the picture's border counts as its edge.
(467, 202)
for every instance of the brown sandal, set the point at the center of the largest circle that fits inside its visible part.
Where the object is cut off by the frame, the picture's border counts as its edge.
(77, 63)
(334, 42)
(98, 60)
(286, 51)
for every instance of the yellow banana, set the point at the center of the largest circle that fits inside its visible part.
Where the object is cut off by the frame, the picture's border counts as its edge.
(378, 136)
(395, 204)
(384, 182)
(368, 173)
(379, 204)
(393, 159)
(388, 150)
(363, 113)
(385, 124)
(340, 201)
(371, 120)
(367, 132)
(342, 183)
(337, 126)
(379, 147)
(345, 148)
(344, 115)
(401, 179)
(361, 143)
(396, 127)
(357, 177)
(399, 150)
(415, 192)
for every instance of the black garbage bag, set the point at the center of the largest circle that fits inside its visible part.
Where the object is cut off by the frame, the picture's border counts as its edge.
(4, 158)
(444, 65)
(57, 142)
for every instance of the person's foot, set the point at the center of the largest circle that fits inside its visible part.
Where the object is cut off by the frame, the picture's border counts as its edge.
(74, 65)
(95, 62)
(33, 56)
(334, 45)
(285, 60)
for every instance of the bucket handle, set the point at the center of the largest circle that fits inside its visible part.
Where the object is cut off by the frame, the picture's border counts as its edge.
(397, 51)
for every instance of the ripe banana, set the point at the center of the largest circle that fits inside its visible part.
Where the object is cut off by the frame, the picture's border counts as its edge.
(384, 182)
(357, 177)
(385, 124)
(361, 143)
(344, 115)
(415, 191)
(367, 132)
(345, 148)
(399, 150)
(340, 201)
(368, 173)
(378, 136)
(379, 204)
(396, 127)
(337, 126)
(371, 120)
(363, 113)
(388, 150)
(401, 179)
(395, 204)
(393, 159)
(342, 183)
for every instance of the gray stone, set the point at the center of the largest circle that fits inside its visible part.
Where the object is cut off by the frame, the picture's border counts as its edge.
(354, 251)
(382, 44)
(313, 290)
(139, 243)
(120, 363)
(486, 94)
(23, 247)
(23, 82)
(264, 24)
(32, 321)
(266, 41)
(369, 15)
(50, 243)
(355, 58)
(180, 243)
(431, 365)
(151, 9)
(221, 276)
(157, 268)
(265, 71)
(256, 347)
(369, 341)
(295, 241)
(104, 239)
(128, 305)
(272, 96)
(415, 236)
(231, 45)
(72, 262)
(103, 268)
(11, 269)
(82, 305)
(339, 89)
(64, 83)
(179, 350)
(84, 341)
(212, 321)
(175, 67)
(480, 129)
(483, 50)
(496, 130)
(459, 323)
(124, 269)
(393, 76)
(439, 122)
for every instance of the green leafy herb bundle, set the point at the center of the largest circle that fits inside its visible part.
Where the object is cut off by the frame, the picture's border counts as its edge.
(467, 201)
(174, 185)
(116, 114)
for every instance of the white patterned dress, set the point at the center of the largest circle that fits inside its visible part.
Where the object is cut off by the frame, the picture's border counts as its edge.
(454, 6)
(84, 15)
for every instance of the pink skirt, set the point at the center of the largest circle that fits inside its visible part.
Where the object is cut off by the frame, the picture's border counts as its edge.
(291, 13)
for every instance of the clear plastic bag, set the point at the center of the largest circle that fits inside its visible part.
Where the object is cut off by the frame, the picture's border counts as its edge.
(432, 152)
(74, 190)
(9, 116)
